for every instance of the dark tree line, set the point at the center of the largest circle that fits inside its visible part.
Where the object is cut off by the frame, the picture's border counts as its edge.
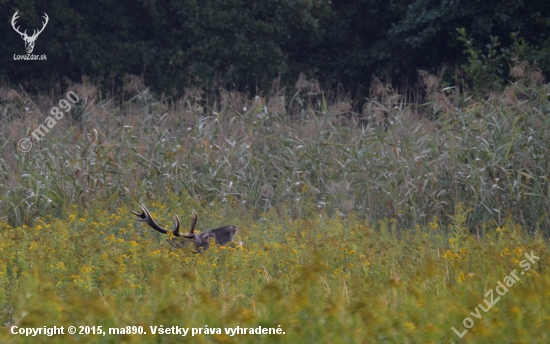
(248, 43)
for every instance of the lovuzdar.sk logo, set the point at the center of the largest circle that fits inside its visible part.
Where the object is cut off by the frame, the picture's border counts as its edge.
(29, 40)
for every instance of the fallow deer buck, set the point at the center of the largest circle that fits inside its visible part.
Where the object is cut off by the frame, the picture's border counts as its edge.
(221, 235)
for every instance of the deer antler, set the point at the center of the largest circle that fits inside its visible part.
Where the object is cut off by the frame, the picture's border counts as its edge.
(146, 217)
(34, 34)
(193, 223)
(43, 25)
(14, 18)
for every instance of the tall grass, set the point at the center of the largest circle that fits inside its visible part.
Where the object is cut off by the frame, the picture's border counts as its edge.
(383, 159)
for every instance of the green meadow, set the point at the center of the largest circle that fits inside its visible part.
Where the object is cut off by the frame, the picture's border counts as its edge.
(379, 221)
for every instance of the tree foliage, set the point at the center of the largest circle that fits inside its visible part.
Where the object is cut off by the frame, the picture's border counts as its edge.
(249, 43)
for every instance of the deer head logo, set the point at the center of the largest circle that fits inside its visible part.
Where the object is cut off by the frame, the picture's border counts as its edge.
(29, 40)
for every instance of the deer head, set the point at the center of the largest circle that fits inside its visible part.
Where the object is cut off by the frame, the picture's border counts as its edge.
(221, 235)
(29, 40)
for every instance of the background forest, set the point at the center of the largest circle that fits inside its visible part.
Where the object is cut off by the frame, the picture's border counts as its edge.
(247, 44)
